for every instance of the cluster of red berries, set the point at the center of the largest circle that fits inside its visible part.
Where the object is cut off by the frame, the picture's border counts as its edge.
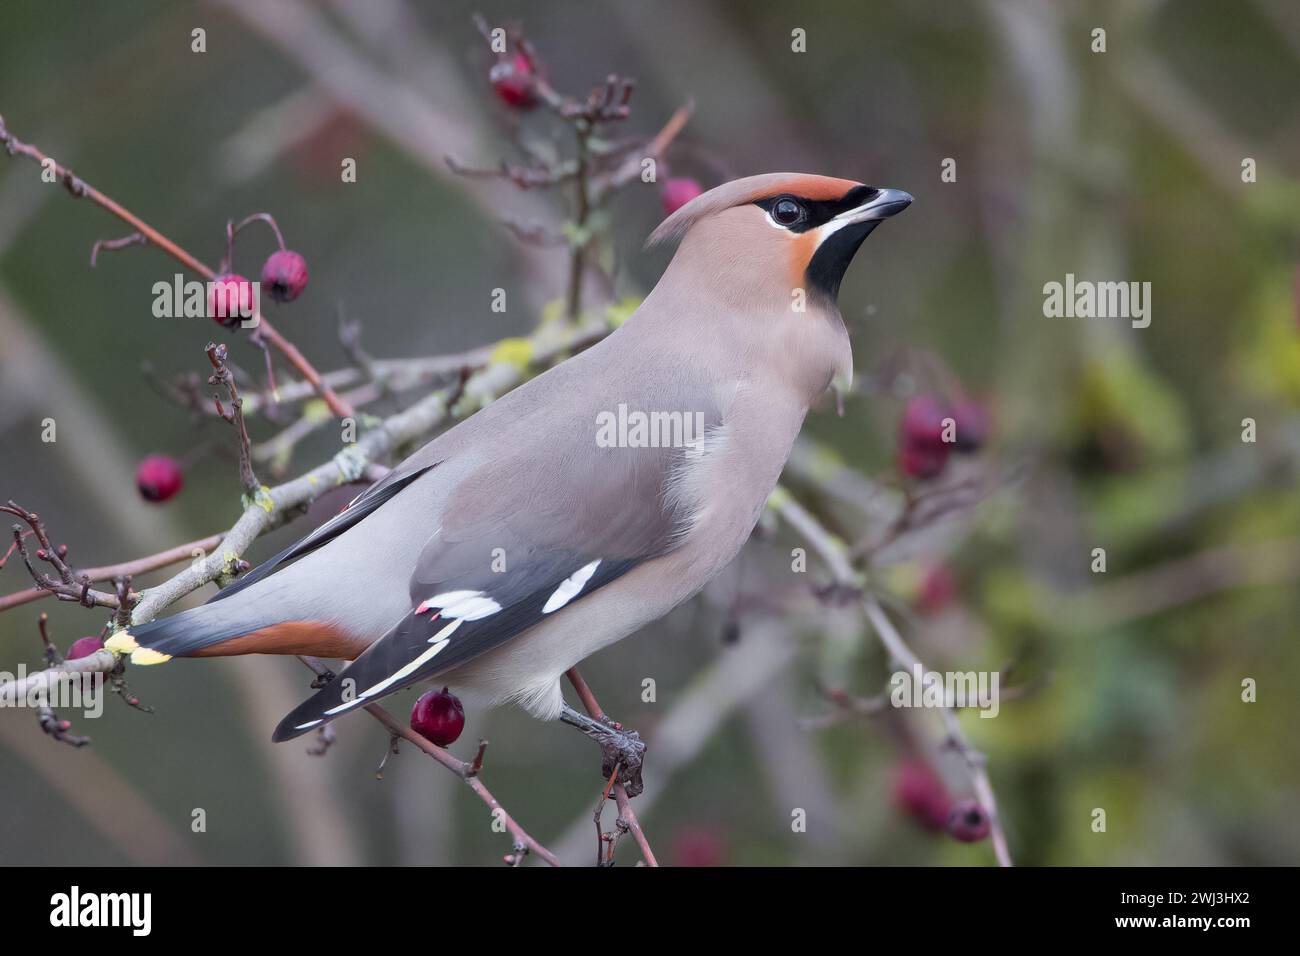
(919, 793)
(230, 301)
(230, 295)
(438, 716)
(284, 277)
(931, 430)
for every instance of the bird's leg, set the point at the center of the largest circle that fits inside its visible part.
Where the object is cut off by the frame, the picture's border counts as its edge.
(619, 747)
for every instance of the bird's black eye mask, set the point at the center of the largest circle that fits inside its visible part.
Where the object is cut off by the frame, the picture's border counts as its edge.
(799, 214)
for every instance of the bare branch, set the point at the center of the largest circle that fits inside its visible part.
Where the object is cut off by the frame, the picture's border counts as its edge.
(153, 562)
(68, 586)
(469, 772)
(221, 375)
(625, 812)
(79, 189)
(835, 554)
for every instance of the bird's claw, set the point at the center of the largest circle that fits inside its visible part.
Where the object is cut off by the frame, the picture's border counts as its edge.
(619, 747)
(625, 750)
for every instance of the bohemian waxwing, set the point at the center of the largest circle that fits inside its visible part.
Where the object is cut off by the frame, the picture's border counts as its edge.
(587, 502)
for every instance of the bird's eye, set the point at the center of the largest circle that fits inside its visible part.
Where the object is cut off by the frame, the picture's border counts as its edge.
(787, 212)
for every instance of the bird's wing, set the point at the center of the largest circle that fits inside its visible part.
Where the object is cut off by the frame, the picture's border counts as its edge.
(358, 508)
(520, 539)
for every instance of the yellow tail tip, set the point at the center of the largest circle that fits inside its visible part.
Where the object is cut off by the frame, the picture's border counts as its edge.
(147, 655)
(121, 643)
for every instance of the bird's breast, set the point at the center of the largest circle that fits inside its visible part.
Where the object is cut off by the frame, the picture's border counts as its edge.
(723, 488)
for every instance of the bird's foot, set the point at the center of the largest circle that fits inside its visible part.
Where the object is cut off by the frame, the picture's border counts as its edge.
(619, 747)
(625, 750)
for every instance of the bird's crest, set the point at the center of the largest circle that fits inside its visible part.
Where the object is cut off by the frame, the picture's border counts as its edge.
(749, 189)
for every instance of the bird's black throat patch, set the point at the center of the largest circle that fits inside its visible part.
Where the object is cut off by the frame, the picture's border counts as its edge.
(827, 267)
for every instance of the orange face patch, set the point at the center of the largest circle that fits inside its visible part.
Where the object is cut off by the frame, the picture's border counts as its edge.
(802, 249)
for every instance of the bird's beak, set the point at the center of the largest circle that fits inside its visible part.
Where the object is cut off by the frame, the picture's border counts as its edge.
(886, 203)
(838, 239)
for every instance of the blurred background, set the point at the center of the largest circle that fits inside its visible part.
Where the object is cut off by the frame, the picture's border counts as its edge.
(1124, 165)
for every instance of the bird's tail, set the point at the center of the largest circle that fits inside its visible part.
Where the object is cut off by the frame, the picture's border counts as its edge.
(186, 633)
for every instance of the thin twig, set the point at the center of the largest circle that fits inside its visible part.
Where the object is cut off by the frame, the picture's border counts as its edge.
(976, 764)
(81, 189)
(833, 551)
(221, 375)
(68, 586)
(113, 245)
(468, 773)
(625, 811)
(153, 562)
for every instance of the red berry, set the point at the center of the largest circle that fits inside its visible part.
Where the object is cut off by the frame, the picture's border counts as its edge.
(918, 461)
(971, 426)
(230, 299)
(923, 421)
(968, 822)
(920, 794)
(83, 647)
(284, 275)
(438, 716)
(676, 193)
(938, 588)
(922, 452)
(698, 846)
(159, 477)
(512, 81)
